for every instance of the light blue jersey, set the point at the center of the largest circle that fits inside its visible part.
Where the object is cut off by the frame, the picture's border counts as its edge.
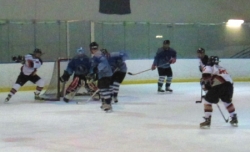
(100, 62)
(117, 61)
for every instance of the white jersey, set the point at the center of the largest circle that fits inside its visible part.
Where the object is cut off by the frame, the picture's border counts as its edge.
(220, 75)
(31, 64)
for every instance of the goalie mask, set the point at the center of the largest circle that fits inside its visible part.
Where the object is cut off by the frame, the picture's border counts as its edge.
(80, 51)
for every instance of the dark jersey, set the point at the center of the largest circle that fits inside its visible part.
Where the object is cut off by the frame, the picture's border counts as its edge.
(163, 57)
(203, 62)
(80, 65)
(115, 7)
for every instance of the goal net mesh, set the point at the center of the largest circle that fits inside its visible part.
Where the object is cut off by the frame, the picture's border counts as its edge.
(56, 89)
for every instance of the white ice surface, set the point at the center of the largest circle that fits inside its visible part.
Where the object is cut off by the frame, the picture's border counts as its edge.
(142, 121)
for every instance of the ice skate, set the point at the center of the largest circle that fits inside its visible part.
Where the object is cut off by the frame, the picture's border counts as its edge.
(115, 99)
(168, 89)
(65, 99)
(103, 102)
(160, 90)
(107, 107)
(206, 123)
(234, 120)
(37, 97)
(7, 99)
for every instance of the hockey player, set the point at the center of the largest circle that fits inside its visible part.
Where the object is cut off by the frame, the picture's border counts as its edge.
(117, 62)
(203, 61)
(80, 66)
(104, 72)
(164, 57)
(220, 86)
(30, 62)
(202, 57)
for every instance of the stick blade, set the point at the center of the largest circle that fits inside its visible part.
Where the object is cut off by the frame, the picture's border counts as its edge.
(129, 73)
(197, 101)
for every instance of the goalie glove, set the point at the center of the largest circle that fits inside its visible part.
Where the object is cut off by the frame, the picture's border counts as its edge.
(64, 77)
(91, 77)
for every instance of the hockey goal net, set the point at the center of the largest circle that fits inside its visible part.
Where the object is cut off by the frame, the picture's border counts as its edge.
(56, 89)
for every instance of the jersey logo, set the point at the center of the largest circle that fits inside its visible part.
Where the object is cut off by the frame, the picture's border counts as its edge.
(222, 71)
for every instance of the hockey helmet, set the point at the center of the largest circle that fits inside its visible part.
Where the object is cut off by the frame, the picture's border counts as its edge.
(201, 50)
(214, 60)
(166, 42)
(104, 51)
(37, 51)
(93, 45)
(80, 51)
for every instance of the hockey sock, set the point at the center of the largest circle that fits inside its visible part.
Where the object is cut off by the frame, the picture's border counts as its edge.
(14, 89)
(116, 86)
(161, 81)
(40, 85)
(168, 83)
(106, 95)
(208, 109)
(111, 89)
(230, 108)
(101, 94)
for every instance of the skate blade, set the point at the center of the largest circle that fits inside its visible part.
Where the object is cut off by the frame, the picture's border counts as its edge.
(234, 125)
(169, 92)
(204, 127)
(108, 111)
(39, 100)
(161, 92)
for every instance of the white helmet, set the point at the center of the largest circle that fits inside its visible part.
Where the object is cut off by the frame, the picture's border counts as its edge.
(207, 70)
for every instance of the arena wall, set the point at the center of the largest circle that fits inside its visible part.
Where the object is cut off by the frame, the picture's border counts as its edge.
(184, 70)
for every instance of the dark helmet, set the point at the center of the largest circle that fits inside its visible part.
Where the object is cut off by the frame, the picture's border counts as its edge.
(201, 50)
(37, 51)
(166, 42)
(214, 60)
(93, 45)
(104, 51)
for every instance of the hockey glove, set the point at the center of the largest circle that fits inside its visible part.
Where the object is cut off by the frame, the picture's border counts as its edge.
(91, 76)
(18, 58)
(172, 60)
(153, 67)
(64, 77)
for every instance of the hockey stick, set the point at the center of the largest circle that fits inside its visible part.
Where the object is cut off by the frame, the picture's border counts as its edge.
(199, 101)
(226, 120)
(90, 97)
(145, 70)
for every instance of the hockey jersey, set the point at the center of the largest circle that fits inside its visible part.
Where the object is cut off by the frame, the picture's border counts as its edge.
(80, 65)
(30, 64)
(220, 75)
(203, 62)
(164, 58)
(100, 62)
(117, 61)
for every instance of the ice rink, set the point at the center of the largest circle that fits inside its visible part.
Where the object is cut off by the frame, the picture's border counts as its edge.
(142, 121)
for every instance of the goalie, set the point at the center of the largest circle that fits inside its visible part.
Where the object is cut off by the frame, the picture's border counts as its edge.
(80, 66)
